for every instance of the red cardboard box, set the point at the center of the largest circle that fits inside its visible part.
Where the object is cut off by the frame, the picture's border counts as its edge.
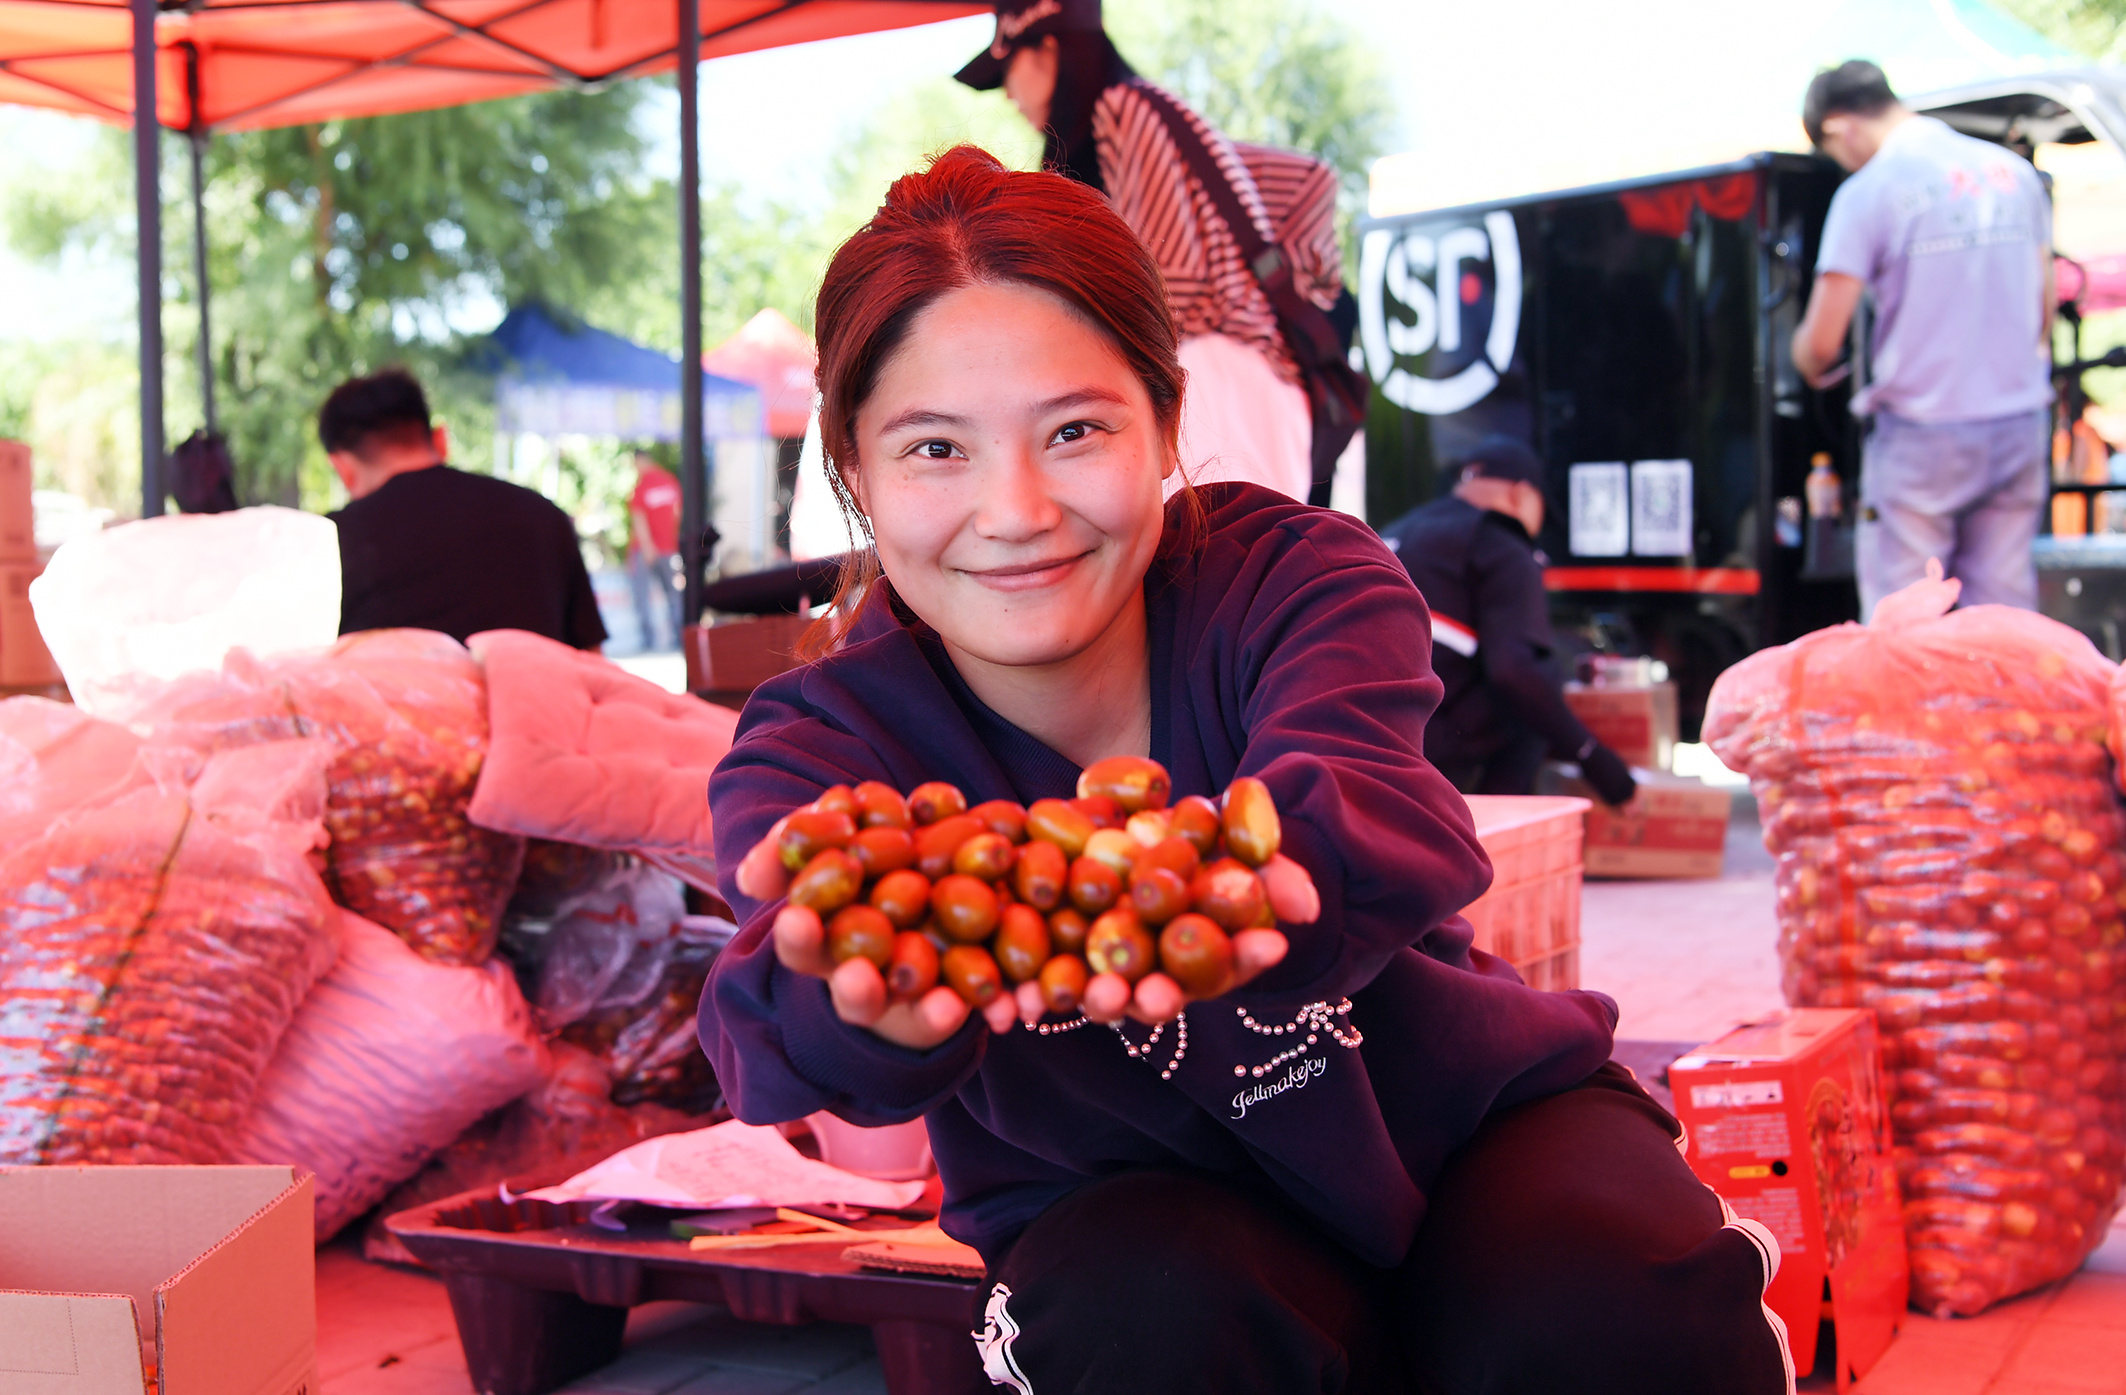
(728, 661)
(1787, 1122)
(1637, 721)
(1674, 826)
(18, 517)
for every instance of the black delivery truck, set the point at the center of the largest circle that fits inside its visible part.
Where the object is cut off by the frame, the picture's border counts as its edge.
(1635, 334)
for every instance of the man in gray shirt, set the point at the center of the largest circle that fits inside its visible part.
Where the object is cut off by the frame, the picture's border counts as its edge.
(1952, 238)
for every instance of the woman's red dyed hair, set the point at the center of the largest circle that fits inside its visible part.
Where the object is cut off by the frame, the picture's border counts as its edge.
(965, 221)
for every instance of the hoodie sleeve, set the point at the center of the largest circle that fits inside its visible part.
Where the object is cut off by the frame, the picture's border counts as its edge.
(779, 1050)
(1331, 667)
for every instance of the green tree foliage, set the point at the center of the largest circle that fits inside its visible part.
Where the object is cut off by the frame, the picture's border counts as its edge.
(755, 252)
(79, 402)
(758, 253)
(926, 119)
(336, 249)
(358, 239)
(1275, 72)
(1279, 72)
(2094, 27)
(76, 399)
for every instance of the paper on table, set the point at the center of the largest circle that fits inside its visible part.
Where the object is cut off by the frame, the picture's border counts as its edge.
(728, 1164)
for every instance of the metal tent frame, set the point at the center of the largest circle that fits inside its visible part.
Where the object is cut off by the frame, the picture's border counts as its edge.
(296, 61)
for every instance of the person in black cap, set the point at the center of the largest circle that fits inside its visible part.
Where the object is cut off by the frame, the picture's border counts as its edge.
(1247, 414)
(1473, 557)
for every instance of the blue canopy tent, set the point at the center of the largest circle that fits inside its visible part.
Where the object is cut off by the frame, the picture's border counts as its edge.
(554, 379)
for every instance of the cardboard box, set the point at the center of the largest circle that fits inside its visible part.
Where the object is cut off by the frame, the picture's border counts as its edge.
(1787, 1122)
(18, 517)
(204, 1276)
(24, 661)
(1637, 721)
(1675, 827)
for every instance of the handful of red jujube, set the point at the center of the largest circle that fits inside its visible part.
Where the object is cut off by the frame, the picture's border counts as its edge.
(986, 898)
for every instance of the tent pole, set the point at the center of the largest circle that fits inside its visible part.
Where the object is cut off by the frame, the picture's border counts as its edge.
(147, 198)
(693, 476)
(199, 276)
(197, 131)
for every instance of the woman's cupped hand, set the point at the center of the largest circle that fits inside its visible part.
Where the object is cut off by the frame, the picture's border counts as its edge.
(861, 998)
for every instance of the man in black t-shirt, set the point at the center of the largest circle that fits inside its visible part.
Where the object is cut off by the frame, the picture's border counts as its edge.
(427, 547)
(1473, 557)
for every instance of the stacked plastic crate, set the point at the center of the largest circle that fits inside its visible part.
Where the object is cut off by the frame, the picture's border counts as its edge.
(1531, 915)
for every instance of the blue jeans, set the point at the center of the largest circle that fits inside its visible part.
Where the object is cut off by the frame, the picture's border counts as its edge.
(1968, 492)
(650, 579)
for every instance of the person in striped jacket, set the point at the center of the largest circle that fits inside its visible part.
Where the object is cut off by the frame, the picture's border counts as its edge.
(1246, 416)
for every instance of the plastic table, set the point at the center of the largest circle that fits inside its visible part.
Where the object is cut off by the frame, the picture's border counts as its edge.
(541, 1296)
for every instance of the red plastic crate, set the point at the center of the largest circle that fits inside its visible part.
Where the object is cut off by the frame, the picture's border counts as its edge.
(1531, 915)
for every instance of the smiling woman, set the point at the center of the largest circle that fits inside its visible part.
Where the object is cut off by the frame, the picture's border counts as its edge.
(1230, 1196)
(1080, 321)
(1013, 493)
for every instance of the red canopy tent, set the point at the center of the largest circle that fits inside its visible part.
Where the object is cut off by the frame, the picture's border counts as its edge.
(235, 64)
(241, 64)
(778, 358)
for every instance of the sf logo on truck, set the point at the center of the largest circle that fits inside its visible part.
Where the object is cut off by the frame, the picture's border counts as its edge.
(1420, 304)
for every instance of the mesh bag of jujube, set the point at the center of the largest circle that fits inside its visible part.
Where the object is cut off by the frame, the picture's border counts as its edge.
(408, 709)
(151, 955)
(1935, 790)
(406, 712)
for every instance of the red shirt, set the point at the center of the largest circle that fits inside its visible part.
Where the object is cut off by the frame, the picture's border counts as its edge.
(656, 505)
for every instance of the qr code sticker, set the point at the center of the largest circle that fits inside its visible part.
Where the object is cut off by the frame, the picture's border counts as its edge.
(1598, 518)
(1660, 508)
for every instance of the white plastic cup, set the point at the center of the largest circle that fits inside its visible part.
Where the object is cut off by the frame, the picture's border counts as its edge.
(892, 1153)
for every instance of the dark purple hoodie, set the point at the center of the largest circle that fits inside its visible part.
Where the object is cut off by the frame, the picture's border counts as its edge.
(1290, 646)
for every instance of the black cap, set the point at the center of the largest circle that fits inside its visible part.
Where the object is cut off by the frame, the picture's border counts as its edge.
(1503, 458)
(1023, 22)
